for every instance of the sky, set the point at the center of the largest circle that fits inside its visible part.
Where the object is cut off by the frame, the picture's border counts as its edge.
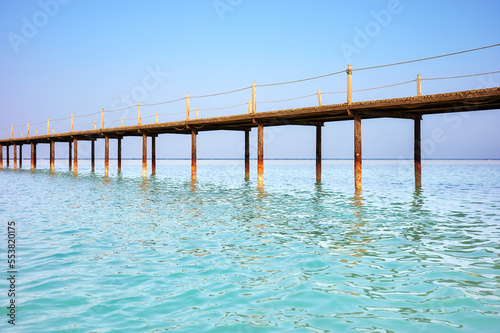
(63, 57)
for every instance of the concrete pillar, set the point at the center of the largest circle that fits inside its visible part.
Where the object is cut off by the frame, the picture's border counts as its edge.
(153, 154)
(92, 155)
(70, 157)
(52, 155)
(15, 156)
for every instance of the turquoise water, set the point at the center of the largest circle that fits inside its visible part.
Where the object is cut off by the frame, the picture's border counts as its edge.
(127, 254)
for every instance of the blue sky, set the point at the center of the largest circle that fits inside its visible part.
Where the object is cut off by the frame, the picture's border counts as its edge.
(76, 57)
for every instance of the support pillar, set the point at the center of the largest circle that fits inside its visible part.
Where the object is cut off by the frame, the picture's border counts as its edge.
(417, 155)
(15, 156)
(8, 157)
(357, 152)
(260, 153)
(153, 154)
(20, 156)
(92, 155)
(106, 155)
(193, 154)
(247, 154)
(33, 156)
(318, 153)
(75, 156)
(70, 157)
(119, 153)
(144, 155)
(1, 157)
(52, 155)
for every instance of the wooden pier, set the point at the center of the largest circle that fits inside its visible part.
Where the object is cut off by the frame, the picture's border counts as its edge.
(411, 108)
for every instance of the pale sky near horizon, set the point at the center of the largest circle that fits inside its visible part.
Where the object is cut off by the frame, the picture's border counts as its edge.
(76, 57)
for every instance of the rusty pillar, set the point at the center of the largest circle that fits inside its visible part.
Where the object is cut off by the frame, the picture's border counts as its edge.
(318, 153)
(15, 156)
(70, 157)
(8, 157)
(193, 154)
(92, 155)
(1, 157)
(357, 152)
(144, 155)
(75, 156)
(260, 153)
(20, 156)
(119, 153)
(52, 155)
(153, 154)
(247, 154)
(106, 155)
(417, 156)
(33, 156)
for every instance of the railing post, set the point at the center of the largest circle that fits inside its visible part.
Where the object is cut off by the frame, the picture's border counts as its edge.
(28, 129)
(349, 84)
(121, 121)
(419, 86)
(249, 106)
(138, 113)
(95, 125)
(254, 104)
(21, 133)
(53, 129)
(320, 101)
(156, 117)
(36, 133)
(102, 118)
(196, 112)
(71, 123)
(48, 126)
(187, 106)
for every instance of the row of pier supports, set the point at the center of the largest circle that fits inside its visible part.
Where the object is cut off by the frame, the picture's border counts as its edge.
(73, 153)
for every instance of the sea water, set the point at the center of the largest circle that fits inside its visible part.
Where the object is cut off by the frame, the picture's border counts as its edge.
(130, 254)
